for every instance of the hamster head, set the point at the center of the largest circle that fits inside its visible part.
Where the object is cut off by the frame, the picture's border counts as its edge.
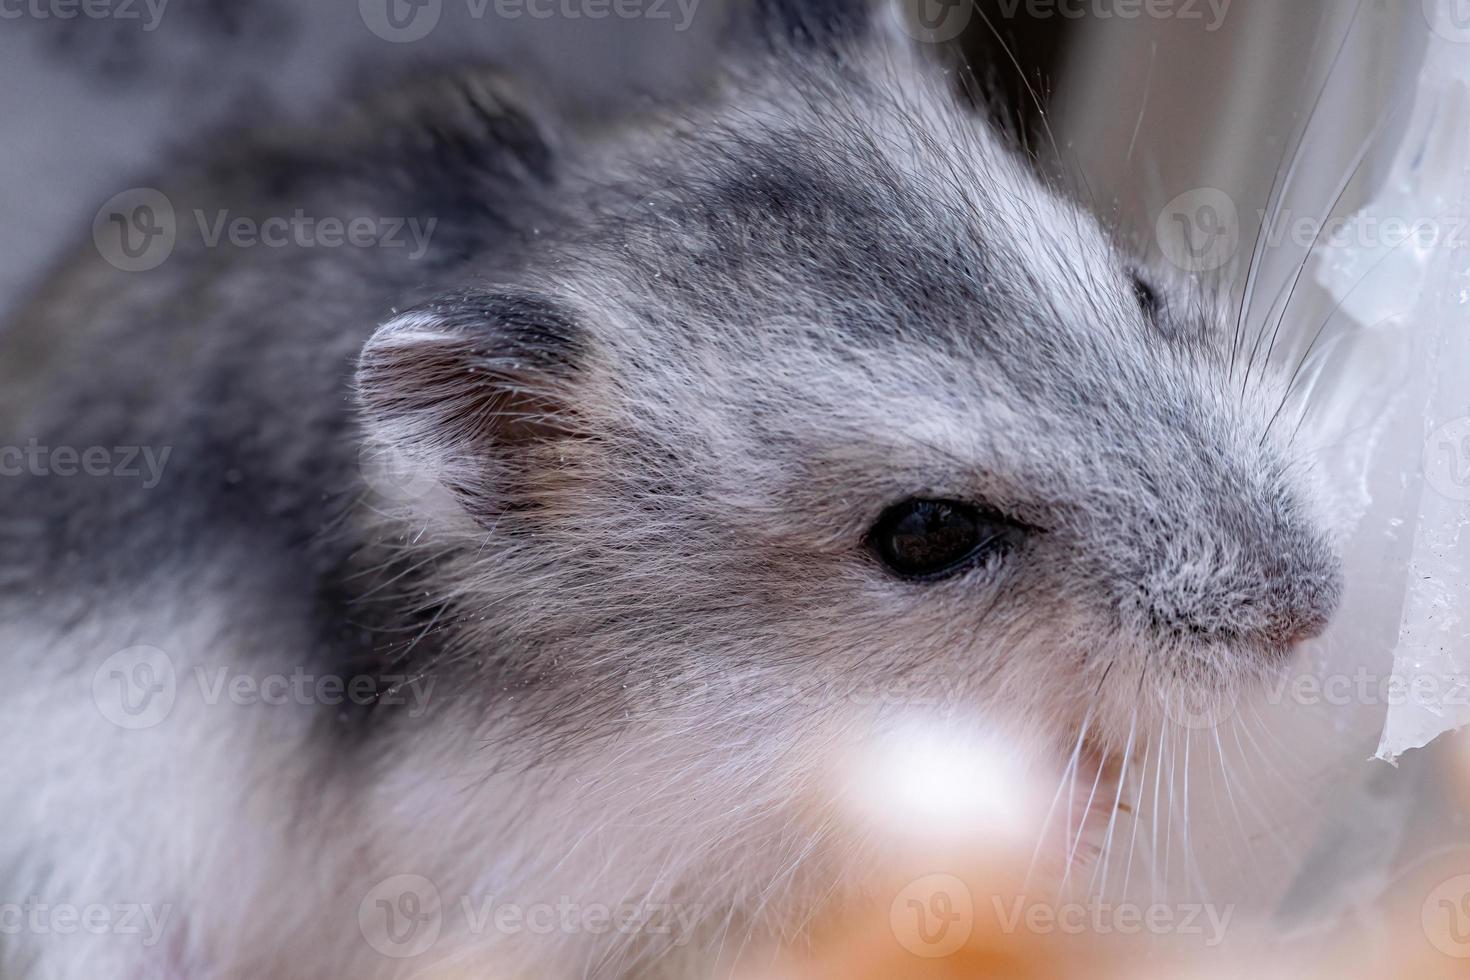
(821, 390)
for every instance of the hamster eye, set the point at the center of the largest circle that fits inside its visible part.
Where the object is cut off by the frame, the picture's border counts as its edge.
(933, 539)
(1147, 295)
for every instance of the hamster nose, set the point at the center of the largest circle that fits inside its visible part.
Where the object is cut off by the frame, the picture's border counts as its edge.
(1306, 614)
(1278, 606)
(1308, 593)
(1299, 628)
(1297, 606)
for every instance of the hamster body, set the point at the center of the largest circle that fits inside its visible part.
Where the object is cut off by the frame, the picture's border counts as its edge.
(546, 565)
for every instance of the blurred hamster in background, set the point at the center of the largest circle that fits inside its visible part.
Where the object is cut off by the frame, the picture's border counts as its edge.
(551, 538)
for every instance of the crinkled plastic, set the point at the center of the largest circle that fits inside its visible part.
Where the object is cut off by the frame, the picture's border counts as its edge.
(1417, 285)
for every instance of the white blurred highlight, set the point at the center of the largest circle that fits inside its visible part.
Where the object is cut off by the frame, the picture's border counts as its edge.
(939, 783)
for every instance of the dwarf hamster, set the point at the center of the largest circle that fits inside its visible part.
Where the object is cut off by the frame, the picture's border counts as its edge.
(471, 509)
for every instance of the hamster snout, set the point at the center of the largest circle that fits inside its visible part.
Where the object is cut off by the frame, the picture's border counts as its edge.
(1262, 589)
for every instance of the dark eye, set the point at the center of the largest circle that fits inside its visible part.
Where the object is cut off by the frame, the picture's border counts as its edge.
(1147, 295)
(931, 539)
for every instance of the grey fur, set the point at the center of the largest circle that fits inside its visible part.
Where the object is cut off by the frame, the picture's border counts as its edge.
(660, 383)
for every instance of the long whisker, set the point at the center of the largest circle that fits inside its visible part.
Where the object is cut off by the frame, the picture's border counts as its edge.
(1062, 786)
(1133, 837)
(1298, 156)
(1230, 798)
(1169, 814)
(1354, 168)
(1069, 776)
(978, 8)
(1158, 783)
(1257, 250)
(1076, 841)
(1332, 315)
(1102, 867)
(1253, 794)
(1148, 83)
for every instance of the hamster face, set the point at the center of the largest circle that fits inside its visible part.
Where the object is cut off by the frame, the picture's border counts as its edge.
(824, 393)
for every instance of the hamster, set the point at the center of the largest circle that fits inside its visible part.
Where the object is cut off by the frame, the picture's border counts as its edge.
(546, 560)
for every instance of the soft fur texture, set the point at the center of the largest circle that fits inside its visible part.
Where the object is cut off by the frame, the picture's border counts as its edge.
(651, 390)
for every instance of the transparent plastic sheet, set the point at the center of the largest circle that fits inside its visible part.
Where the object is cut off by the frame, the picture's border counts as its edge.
(1427, 189)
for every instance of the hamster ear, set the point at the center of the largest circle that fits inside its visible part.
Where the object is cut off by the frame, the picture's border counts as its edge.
(463, 392)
